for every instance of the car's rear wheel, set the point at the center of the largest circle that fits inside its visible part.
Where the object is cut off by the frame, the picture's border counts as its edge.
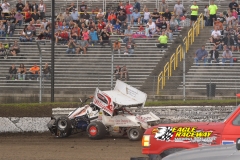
(135, 133)
(63, 127)
(96, 130)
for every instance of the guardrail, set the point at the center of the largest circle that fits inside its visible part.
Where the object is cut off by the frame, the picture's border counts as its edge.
(178, 55)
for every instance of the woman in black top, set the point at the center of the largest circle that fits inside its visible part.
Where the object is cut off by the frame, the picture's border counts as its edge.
(21, 72)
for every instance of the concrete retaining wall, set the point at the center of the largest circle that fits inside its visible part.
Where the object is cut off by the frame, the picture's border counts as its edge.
(24, 124)
(167, 114)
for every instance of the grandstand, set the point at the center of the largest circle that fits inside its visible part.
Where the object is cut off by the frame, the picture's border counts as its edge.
(80, 75)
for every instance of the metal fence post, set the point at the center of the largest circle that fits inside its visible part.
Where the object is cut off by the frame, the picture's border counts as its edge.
(112, 64)
(40, 80)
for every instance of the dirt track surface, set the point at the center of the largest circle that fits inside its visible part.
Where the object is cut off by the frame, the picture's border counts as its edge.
(46, 147)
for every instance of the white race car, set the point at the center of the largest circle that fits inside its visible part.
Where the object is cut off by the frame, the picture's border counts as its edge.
(107, 114)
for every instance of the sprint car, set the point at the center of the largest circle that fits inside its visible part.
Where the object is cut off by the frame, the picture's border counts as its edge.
(107, 115)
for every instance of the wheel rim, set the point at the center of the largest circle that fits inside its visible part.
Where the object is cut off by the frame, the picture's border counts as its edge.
(62, 124)
(92, 131)
(134, 133)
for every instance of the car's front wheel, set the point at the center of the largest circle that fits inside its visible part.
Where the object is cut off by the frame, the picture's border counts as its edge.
(135, 133)
(63, 127)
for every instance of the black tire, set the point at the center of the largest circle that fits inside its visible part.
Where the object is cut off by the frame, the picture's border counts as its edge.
(155, 157)
(63, 127)
(96, 130)
(135, 133)
(171, 151)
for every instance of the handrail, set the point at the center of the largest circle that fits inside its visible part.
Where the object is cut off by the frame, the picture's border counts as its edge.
(178, 55)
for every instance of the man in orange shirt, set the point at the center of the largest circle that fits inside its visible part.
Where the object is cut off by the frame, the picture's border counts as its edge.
(219, 24)
(112, 18)
(34, 71)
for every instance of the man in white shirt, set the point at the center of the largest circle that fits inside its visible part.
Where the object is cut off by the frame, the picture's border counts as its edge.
(215, 34)
(179, 8)
(227, 55)
(5, 8)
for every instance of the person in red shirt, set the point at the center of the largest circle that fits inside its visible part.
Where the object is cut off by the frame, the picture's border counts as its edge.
(101, 24)
(128, 9)
(28, 16)
(112, 18)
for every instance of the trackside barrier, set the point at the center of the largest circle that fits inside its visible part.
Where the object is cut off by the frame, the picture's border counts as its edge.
(178, 55)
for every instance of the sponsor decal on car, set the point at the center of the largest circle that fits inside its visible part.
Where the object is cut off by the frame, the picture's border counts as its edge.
(183, 134)
(226, 142)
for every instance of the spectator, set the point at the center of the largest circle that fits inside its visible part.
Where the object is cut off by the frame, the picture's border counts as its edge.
(117, 28)
(0, 9)
(104, 37)
(75, 16)
(34, 72)
(130, 45)
(34, 6)
(60, 17)
(28, 16)
(155, 15)
(75, 33)
(19, 6)
(117, 72)
(2, 29)
(42, 8)
(112, 18)
(212, 12)
(26, 8)
(19, 18)
(93, 37)
(128, 33)
(167, 15)
(35, 15)
(13, 72)
(83, 7)
(201, 54)
(32, 28)
(29, 34)
(214, 34)
(214, 54)
(163, 40)
(227, 55)
(218, 43)
(233, 5)
(173, 24)
(124, 73)
(136, 17)
(46, 71)
(85, 17)
(194, 13)
(152, 27)
(146, 15)
(121, 7)
(72, 7)
(237, 40)
(147, 34)
(128, 8)
(100, 14)
(124, 27)
(163, 6)
(5, 8)
(206, 16)
(230, 20)
(222, 18)
(71, 46)
(121, 18)
(179, 9)
(21, 72)
(82, 46)
(117, 47)
(15, 49)
(22, 37)
(68, 18)
(229, 42)
(101, 24)
(9, 29)
(218, 25)
(57, 36)
(85, 34)
(136, 5)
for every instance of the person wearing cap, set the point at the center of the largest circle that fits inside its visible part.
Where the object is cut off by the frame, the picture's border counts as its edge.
(75, 15)
(227, 55)
(222, 18)
(218, 24)
(201, 54)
